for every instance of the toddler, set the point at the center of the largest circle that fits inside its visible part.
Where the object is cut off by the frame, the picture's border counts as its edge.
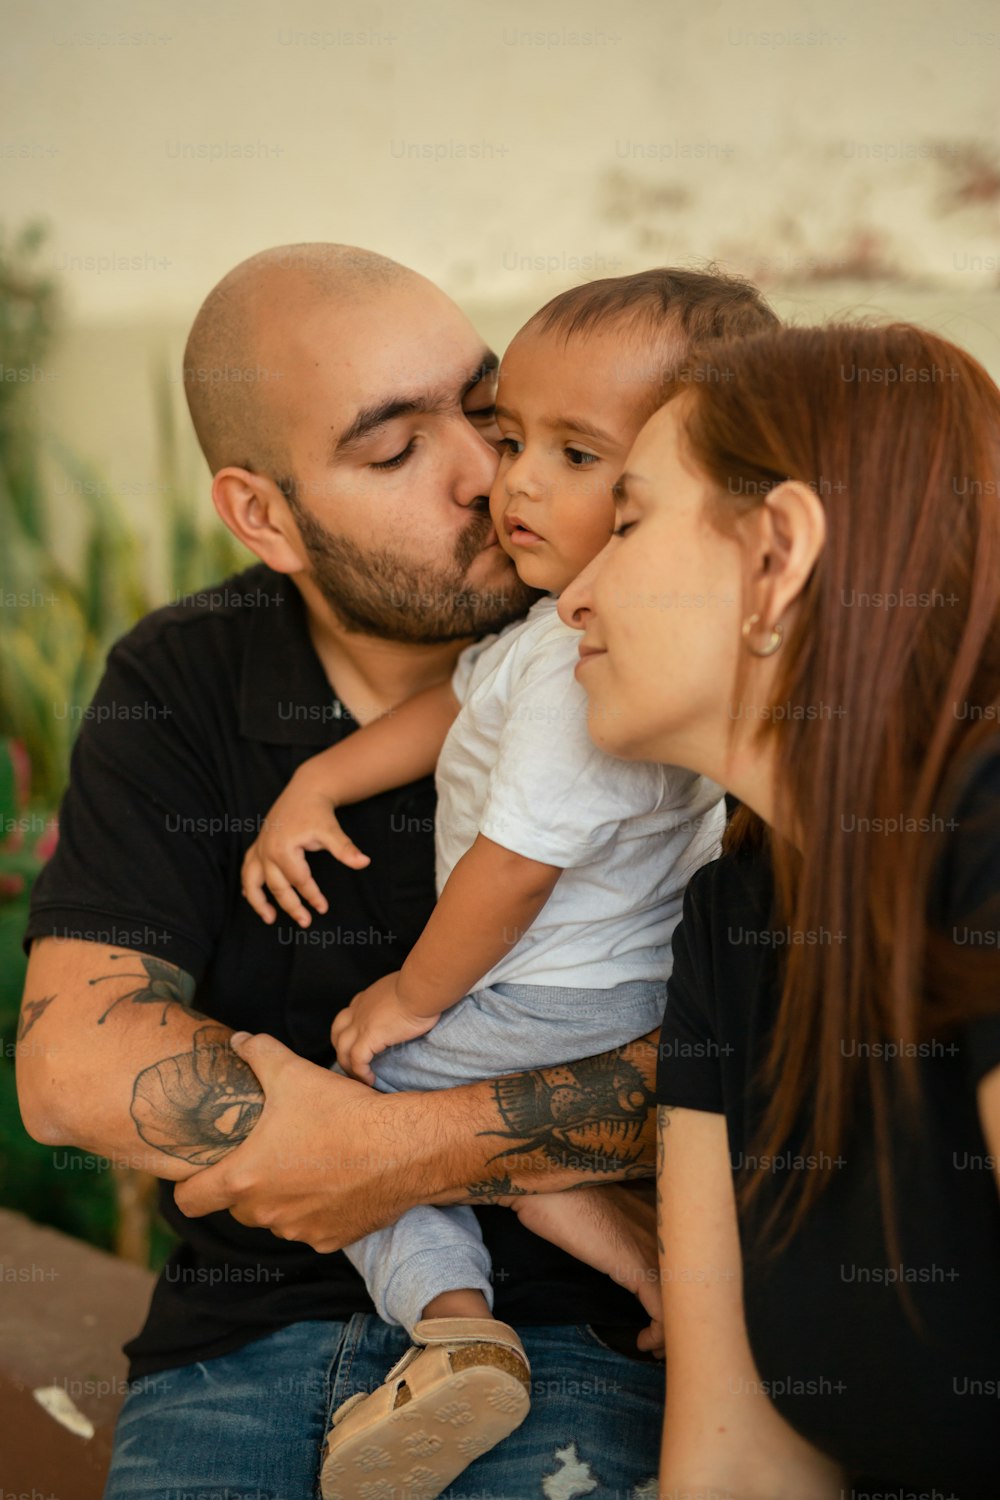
(560, 870)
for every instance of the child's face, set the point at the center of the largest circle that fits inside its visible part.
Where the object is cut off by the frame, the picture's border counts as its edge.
(568, 412)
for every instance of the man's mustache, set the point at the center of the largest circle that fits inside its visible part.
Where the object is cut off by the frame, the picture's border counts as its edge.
(474, 537)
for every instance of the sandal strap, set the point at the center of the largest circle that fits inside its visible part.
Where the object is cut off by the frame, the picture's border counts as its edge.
(468, 1331)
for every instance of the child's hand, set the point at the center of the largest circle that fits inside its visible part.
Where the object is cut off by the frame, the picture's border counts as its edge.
(375, 1019)
(302, 819)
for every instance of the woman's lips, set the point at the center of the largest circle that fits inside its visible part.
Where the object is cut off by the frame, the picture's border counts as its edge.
(587, 653)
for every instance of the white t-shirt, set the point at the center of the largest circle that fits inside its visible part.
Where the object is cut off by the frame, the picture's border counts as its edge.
(519, 766)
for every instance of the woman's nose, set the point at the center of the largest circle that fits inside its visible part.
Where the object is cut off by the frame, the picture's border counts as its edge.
(574, 606)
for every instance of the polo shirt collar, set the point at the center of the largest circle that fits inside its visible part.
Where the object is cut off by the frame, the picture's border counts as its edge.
(285, 698)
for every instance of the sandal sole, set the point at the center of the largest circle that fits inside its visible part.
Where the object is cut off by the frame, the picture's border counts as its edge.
(417, 1450)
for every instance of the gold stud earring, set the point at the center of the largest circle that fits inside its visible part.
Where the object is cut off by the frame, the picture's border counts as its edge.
(774, 641)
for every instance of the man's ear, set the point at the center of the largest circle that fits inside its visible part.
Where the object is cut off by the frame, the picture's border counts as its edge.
(257, 513)
(789, 533)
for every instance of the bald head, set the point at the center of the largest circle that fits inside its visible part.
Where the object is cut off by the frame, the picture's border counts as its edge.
(233, 363)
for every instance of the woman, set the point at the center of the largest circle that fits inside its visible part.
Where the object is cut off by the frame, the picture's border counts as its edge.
(802, 601)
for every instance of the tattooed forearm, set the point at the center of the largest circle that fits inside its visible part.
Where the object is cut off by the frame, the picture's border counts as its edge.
(592, 1117)
(32, 1011)
(160, 984)
(495, 1188)
(199, 1105)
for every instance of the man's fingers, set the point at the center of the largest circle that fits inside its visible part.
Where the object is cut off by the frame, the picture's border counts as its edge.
(652, 1341)
(265, 1055)
(206, 1192)
(649, 1294)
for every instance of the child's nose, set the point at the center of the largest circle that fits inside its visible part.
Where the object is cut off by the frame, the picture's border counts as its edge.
(523, 478)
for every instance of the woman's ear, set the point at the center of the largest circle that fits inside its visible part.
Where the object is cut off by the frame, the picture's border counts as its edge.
(789, 533)
(258, 515)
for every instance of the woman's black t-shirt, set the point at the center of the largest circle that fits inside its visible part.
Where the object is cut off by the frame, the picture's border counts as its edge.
(907, 1407)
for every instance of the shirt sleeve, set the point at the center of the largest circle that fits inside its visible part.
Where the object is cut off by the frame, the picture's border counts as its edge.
(688, 1072)
(137, 864)
(553, 795)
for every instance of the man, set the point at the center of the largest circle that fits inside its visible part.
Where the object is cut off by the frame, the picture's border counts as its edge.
(344, 405)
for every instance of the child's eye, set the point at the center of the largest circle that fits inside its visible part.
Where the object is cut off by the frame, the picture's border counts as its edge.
(398, 461)
(510, 445)
(579, 458)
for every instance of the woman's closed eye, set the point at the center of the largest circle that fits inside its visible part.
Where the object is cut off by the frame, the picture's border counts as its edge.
(623, 528)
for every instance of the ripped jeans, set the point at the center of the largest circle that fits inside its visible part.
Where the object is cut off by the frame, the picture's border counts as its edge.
(248, 1425)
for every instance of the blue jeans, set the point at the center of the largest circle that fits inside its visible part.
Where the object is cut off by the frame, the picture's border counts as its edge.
(248, 1426)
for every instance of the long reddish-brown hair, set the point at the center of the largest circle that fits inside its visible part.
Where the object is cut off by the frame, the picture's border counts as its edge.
(898, 432)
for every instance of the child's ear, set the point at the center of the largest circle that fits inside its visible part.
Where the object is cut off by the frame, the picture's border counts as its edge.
(257, 513)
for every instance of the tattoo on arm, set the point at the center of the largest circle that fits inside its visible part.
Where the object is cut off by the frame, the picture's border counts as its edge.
(199, 1105)
(494, 1188)
(32, 1011)
(161, 984)
(592, 1115)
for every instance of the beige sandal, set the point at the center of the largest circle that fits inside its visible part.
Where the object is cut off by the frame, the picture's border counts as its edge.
(462, 1389)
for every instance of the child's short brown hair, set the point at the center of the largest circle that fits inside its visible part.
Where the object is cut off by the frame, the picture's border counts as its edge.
(663, 314)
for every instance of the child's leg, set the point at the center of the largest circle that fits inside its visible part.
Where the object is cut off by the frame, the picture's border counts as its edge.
(427, 1255)
(465, 1385)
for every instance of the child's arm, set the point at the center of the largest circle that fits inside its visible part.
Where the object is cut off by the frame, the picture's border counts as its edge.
(397, 748)
(489, 901)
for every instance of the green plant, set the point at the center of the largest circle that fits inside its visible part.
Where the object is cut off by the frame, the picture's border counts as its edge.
(57, 622)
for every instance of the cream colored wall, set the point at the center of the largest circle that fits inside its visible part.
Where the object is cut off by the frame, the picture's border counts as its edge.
(844, 154)
(505, 148)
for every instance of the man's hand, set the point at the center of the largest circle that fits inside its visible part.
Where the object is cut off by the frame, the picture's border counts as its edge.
(611, 1228)
(330, 1160)
(316, 1167)
(376, 1018)
(301, 820)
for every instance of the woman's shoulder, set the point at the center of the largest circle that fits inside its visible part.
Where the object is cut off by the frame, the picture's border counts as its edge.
(741, 878)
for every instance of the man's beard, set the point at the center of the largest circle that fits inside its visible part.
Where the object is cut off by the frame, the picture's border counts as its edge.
(379, 591)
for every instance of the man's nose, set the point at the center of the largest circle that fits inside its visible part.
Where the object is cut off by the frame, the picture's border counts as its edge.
(476, 465)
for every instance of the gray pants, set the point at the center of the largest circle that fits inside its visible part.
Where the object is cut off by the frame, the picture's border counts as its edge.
(505, 1028)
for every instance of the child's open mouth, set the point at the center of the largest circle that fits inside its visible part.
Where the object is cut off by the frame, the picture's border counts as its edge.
(520, 534)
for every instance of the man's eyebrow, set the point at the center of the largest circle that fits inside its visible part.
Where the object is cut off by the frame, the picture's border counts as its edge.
(370, 418)
(489, 364)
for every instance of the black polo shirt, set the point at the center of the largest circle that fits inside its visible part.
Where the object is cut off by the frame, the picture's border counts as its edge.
(206, 708)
